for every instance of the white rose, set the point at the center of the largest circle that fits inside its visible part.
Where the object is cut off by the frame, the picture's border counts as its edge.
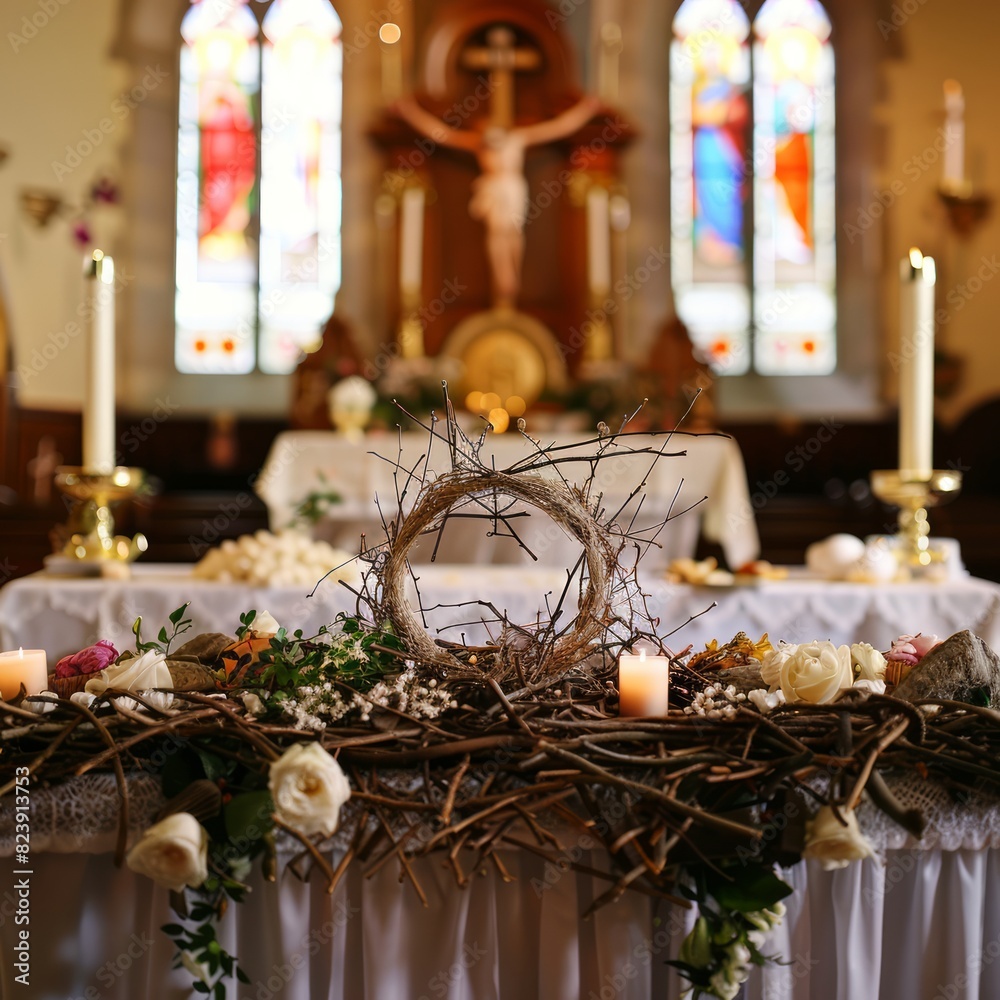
(39, 707)
(868, 661)
(264, 624)
(253, 704)
(770, 670)
(766, 701)
(816, 672)
(834, 842)
(173, 852)
(308, 788)
(138, 674)
(869, 687)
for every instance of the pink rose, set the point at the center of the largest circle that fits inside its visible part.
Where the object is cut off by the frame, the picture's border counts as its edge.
(87, 661)
(911, 649)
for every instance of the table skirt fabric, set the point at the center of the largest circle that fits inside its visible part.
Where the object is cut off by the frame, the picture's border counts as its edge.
(925, 925)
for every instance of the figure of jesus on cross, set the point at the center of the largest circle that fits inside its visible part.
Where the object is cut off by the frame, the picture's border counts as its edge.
(500, 192)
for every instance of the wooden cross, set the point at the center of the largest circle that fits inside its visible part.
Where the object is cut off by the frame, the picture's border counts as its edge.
(502, 59)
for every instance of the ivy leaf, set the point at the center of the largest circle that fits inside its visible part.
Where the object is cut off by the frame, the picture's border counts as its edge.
(752, 890)
(248, 816)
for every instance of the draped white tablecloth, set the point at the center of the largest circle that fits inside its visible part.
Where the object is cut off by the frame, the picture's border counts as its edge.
(918, 923)
(693, 468)
(62, 615)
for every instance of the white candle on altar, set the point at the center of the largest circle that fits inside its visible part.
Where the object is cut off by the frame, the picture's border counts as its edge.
(643, 684)
(916, 366)
(392, 62)
(24, 666)
(953, 176)
(411, 242)
(99, 384)
(598, 241)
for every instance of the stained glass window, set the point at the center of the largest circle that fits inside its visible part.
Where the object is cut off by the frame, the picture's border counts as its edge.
(752, 174)
(258, 188)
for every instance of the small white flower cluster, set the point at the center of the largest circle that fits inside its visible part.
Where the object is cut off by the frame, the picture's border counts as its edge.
(735, 971)
(288, 558)
(320, 705)
(716, 702)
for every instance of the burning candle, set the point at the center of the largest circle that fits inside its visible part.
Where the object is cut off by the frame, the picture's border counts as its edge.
(392, 61)
(99, 402)
(26, 666)
(643, 684)
(916, 366)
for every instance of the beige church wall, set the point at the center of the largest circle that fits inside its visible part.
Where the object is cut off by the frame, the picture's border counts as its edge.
(79, 68)
(65, 116)
(940, 41)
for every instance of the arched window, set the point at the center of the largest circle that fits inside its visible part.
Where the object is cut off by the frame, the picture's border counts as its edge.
(258, 183)
(752, 188)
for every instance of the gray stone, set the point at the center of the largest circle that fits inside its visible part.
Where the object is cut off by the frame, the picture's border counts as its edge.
(955, 670)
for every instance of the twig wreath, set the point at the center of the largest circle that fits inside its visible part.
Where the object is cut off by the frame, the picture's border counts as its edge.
(467, 751)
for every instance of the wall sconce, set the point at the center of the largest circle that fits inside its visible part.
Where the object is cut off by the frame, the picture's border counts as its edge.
(40, 205)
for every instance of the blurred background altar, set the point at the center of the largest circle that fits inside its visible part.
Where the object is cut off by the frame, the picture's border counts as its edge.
(675, 238)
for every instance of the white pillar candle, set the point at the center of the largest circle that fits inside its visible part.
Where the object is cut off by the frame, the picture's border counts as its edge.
(598, 241)
(23, 666)
(392, 62)
(411, 243)
(643, 684)
(916, 366)
(99, 399)
(953, 176)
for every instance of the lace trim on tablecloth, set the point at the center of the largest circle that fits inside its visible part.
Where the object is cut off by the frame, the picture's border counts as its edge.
(81, 816)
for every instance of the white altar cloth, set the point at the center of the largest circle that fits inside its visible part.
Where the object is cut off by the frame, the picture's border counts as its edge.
(710, 469)
(923, 924)
(61, 615)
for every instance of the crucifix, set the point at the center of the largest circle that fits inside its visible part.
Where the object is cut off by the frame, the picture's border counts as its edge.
(502, 59)
(500, 192)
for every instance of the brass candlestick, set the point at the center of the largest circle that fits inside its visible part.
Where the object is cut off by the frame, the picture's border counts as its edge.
(914, 496)
(88, 538)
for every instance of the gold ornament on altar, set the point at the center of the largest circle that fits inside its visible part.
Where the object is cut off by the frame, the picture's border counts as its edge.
(87, 543)
(914, 496)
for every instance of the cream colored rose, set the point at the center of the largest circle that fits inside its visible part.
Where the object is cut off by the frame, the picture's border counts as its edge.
(138, 674)
(173, 852)
(835, 844)
(770, 670)
(816, 672)
(868, 662)
(308, 788)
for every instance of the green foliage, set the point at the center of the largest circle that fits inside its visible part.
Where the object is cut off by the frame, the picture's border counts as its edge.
(179, 625)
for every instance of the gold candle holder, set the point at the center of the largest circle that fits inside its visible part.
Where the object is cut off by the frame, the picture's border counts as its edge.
(914, 496)
(87, 542)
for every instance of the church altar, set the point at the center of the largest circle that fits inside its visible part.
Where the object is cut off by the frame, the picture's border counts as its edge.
(62, 614)
(856, 933)
(706, 470)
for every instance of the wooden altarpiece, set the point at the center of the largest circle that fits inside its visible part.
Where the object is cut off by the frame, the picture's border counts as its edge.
(503, 172)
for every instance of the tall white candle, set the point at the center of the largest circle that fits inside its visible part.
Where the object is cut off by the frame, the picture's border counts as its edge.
(392, 61)
(411, 242)
(916, 366)
(99, 399)
(23, 666)
(953, 176)
(643, 684)
(598, 241)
